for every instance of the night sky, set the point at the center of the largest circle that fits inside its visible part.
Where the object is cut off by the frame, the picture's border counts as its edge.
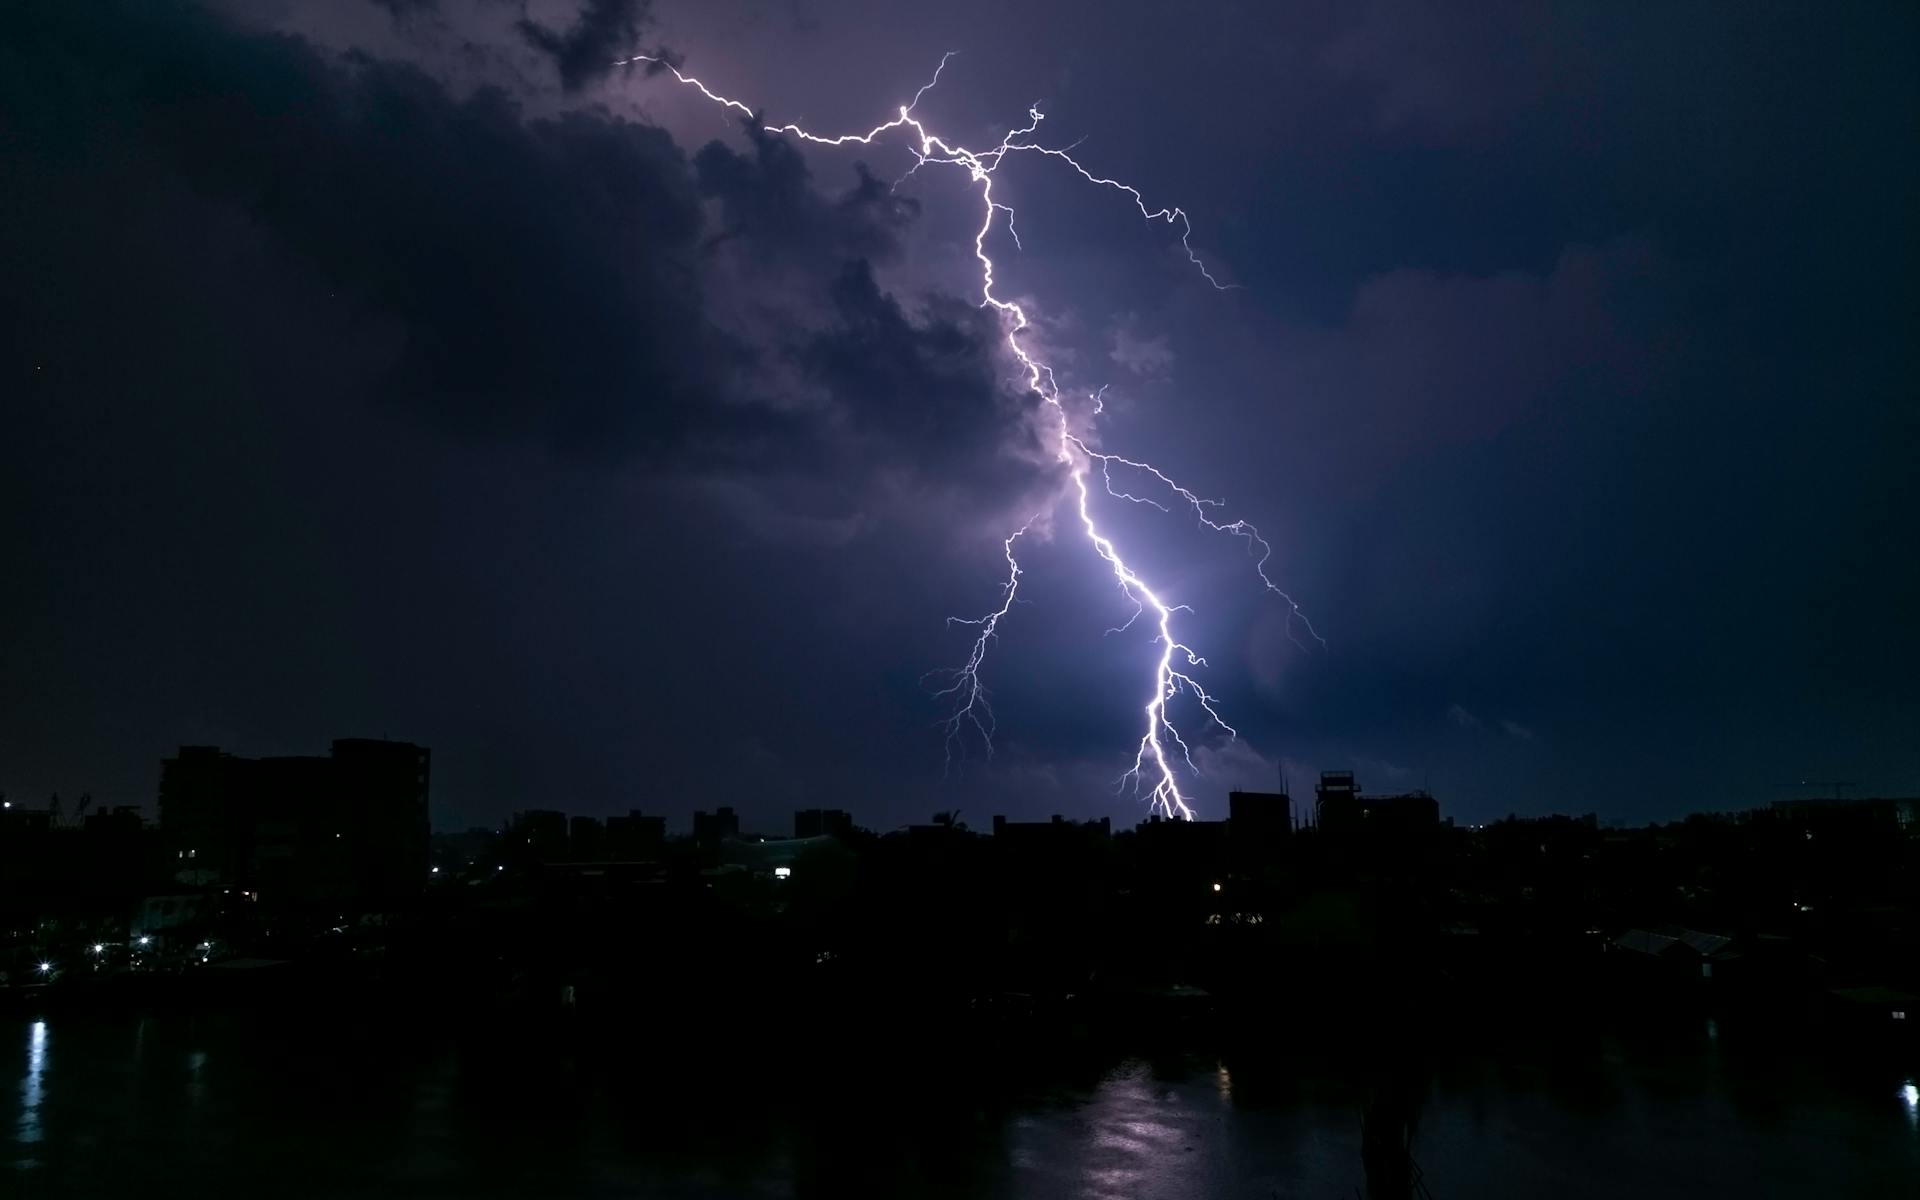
(395, 367)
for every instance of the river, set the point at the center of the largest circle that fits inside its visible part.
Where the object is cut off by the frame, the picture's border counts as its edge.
(215, 1107)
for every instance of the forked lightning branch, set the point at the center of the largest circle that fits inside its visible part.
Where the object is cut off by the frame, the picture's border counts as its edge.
(1174, 664)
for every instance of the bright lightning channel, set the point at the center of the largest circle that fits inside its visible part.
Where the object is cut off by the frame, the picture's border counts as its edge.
(1152, 771)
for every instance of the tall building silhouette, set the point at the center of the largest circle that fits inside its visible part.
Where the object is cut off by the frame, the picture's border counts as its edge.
(347, 827)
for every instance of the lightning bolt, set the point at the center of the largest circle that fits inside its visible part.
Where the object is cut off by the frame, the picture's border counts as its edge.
(1152, 771)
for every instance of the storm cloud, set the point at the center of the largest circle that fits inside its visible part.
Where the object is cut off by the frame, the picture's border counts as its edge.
(602, 33)
(399, 368)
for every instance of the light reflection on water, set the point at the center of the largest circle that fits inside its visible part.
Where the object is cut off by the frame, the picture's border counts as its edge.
(1134, 1132)
(28, 1126)
(177, 1099)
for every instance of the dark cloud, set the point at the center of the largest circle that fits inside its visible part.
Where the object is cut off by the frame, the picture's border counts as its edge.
(234, 258)
(929, 388)
(520, 277)
(604, 32)
(1569, 383)
(920, 394)
(510, 277)
(769, 199)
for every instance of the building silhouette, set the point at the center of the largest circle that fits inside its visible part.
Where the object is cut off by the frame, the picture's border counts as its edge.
(822, 822)
(538, 835)
(636, 837)
(297, 839)
(1055, 833)
(586, 839)
(712, 828)
(1869, 817)
(206, 813)
(1341, 811)
(122, 820)
(350, 827)
(89, 862)
(945, 826)
(381, 789)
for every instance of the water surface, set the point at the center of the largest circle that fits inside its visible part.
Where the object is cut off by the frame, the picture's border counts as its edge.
(230, 1106)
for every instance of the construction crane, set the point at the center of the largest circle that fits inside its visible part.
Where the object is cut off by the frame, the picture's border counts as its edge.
(1835, 784)
(80, 807)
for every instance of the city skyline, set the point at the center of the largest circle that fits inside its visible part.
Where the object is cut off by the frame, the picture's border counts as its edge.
(287, 781)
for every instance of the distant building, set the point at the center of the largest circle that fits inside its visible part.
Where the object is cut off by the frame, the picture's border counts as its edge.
(1055, 831)
(636, 837)
(206, 814)
(822, 822)
(1340, 810)
(299, 841)
(19, 822)
(1335, 787)
(350, 827)
(945, 826)
(538, 834)
(1867, 816)
(586, 839)
(122, 820)
(712, 828)
(157, 916)
(92, 861)
(381, 788)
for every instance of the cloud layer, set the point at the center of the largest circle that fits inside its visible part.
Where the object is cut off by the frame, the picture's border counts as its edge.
(393, 367)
